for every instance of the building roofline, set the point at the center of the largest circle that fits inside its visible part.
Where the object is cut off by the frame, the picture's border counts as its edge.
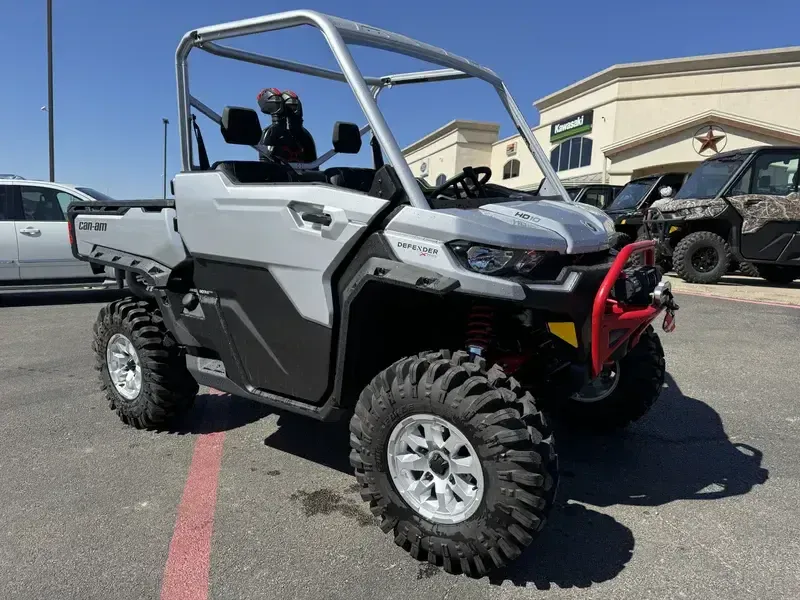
(710, 116)
(448, 128)
(671, 66)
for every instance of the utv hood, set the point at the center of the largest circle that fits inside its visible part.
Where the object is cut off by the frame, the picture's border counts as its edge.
(583, 227)
(546, 225)
(690, 205)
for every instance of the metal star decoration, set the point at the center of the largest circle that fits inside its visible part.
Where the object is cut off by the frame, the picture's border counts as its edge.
(709, 141)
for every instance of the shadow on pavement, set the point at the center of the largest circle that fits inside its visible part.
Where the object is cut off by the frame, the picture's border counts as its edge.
(323, 443)
(578, 548)
(212, 413)
(679, 451)
(756, 282)
(55, 297)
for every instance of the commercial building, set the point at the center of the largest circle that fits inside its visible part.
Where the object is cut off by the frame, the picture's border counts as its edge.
(632, 120)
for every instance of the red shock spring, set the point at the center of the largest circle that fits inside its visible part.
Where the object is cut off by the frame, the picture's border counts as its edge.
(479, 329)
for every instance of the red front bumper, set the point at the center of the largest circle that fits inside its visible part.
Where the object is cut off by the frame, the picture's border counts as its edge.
(610, 316)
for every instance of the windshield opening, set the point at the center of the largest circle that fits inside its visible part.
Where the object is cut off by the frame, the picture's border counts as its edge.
(632, 194)
(95, 194)
(709, 178)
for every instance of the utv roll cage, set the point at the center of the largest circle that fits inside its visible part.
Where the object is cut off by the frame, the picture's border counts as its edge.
(338, 33)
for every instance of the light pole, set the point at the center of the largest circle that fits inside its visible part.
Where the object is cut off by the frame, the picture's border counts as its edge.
(166, 122)
(50, 89)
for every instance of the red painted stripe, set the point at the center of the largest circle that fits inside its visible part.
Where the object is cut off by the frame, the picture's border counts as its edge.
(681, 292)
(187, 570)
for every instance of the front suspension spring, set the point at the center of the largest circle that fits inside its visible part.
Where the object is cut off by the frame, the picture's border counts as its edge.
(479, 329)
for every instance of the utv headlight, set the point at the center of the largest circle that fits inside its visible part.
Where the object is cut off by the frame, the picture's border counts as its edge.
(489, 260)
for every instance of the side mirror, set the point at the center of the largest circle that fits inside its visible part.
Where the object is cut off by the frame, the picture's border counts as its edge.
(346, 138)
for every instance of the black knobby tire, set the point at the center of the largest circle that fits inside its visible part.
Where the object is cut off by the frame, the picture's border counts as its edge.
(619, 240)
(749, 269)
(168, 389)
(701, 257)
(779, 275)
(641, 377)
(511, 438)
(663, 262)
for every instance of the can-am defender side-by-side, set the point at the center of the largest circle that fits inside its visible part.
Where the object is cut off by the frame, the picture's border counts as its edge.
(741, 206)
(442, 320)
(631, 203)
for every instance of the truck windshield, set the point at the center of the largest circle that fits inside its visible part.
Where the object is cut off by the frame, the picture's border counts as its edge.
(632, 194)
(708, 179)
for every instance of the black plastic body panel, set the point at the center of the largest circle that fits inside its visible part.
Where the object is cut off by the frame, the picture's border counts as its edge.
(279, 351)
(768, 242)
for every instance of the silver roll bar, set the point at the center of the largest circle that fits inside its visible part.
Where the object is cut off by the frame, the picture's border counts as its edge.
(338, 33)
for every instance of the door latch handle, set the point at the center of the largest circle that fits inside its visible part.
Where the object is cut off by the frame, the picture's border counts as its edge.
(323, 219)
(30, 231)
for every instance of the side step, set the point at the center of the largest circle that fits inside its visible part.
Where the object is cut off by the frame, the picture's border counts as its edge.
(212, 373)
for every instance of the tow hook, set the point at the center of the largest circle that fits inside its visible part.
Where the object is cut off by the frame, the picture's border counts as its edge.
(662, 296)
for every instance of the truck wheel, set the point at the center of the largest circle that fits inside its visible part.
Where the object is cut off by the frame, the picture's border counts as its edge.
(622, 393)
(663, 261)
(455, 460)
(142, 370)
(619, 240)
(778, 275)
(701, 257)
(749, 269)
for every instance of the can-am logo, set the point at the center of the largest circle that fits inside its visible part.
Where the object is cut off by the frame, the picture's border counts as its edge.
(92, 226)
(423, 250)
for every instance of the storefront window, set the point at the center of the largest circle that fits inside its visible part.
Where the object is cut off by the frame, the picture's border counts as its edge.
(511, 169)
(572, 154)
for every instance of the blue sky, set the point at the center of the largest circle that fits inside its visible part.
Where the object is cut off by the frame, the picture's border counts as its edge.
(114, 68)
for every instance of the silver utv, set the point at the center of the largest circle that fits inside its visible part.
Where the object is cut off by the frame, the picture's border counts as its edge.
(330, 291)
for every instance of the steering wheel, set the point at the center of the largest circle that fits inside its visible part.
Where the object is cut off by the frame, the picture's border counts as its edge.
(478, 176)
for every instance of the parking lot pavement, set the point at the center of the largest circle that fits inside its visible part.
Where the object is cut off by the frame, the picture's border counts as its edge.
(698, 500)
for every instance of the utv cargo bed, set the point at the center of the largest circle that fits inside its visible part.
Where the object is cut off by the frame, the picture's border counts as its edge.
(131, 227)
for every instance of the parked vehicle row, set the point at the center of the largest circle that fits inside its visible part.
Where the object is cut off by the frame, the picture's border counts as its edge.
(738, 211)
(739, 206)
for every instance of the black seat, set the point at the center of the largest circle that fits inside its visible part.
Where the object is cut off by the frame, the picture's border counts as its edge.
(352, 178)
(254, 171)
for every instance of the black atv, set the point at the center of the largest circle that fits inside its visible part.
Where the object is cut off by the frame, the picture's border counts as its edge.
(600, 195)
(629, 207)
(741, 206)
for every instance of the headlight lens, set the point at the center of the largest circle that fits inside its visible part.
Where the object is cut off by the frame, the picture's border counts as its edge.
(488, 260)
(497, 261)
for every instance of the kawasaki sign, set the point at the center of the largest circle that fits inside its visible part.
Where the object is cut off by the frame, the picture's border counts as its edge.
(570, 126)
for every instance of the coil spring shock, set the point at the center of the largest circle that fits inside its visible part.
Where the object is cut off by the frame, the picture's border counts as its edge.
(479, 329)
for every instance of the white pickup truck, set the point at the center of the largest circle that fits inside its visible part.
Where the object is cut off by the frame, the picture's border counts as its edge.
(34, 243)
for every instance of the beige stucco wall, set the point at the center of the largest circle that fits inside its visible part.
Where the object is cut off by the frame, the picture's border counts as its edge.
(756, 94)
(676, 148)
(450, 153)
(766, 97)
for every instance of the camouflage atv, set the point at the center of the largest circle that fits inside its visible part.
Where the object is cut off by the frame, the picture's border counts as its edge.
(741, 206)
